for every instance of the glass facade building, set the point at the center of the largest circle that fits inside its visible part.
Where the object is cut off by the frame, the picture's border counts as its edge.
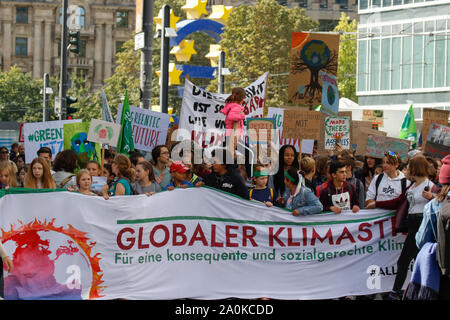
(404, 54)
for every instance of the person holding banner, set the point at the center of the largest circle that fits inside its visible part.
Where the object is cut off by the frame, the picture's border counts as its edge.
(121, 167)
(178, 171)
(261, 191)
(298, 198)
(7, 264)
(339, 195)
(161, 163)
(84, 182)
(287, 158)
(145, 179)
(39, 176)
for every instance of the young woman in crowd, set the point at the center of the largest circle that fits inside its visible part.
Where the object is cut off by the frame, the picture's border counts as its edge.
(39, 176)
(367, 172)
(308, 171)
(417, 195)
(322, 168)
(428, 231)
(107, 172)
(84, 182)
(287, 158)
(302, 201)
(121, 167)
(20, 161)
(7, 176)
(94, 168)
(161, 163)
(145, 179)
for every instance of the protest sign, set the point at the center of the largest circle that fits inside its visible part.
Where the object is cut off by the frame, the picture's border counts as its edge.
(76, 139)
(438, 141)
(104, 132)
(430, 116)
(149, 127)
(310, 54)
(373, 116)
(44, 134)
(337, 130)
(302, 124)
(90, 248)
(96, 186)
(259, 130)
(377, 145)
(359, 131)
(330, 94)
(201, 119)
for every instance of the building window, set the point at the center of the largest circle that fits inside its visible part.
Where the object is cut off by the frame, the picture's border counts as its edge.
(323, 4)
(21, 46)
(122, 19)
(22, 15)
(363, 4)
(83, 44)
(78, 18)
(343, 4)
(302, 3)
(119, 46)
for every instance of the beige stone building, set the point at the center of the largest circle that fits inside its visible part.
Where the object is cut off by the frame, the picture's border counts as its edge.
(30, 36)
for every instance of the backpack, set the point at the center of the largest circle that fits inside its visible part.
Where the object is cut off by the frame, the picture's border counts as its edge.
(443, 238)
(67, 179)
(378, 181)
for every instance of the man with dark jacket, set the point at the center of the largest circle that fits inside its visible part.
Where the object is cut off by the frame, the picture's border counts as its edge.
(339, 194)
(224, 177)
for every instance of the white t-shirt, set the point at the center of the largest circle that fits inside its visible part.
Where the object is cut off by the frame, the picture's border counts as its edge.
(414, 195)
(388, 189)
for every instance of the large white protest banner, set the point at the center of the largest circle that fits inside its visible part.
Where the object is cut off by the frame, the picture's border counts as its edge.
(44, 134)
(165, 247)
(201, 119)
(149, 127)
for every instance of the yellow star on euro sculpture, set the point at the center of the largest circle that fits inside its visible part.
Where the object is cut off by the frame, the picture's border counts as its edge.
(173, 19)
(195, 8)
(184, 50)
(220, 13)
(213, 54)
(174, 75)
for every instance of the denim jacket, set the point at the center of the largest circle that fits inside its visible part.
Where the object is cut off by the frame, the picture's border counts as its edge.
(428, 229)
(305, 202)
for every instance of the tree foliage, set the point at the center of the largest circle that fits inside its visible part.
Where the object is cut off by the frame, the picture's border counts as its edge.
(347, 58)
(258, 39)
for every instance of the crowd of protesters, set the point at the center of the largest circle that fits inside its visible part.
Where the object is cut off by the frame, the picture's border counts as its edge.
(303, 184)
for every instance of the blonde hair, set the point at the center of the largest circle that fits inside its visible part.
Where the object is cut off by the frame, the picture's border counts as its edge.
(47, 180)
(5, 165)
(307, 165)
(81, 173)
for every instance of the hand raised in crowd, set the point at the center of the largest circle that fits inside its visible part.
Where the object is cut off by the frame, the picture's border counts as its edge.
(427, 195)
(105, 192)
(7, 262)
(336, 209)
(355, 208)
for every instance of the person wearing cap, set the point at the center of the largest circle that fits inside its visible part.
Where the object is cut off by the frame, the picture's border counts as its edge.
(178, 170)
(261, 191)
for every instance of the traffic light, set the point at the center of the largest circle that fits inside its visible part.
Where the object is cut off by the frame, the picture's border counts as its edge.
(69, 109)
(74, 41)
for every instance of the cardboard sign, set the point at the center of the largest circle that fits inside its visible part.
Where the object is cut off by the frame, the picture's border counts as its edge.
(377, 145)
(330, 94)
(430, 116)
(255, 126)
(302, 124)
(149, 127)
(337, 130)
(438, 141)
(76, 139)
(104, 132)
(44, 134)
(374, 116)
(311, 53)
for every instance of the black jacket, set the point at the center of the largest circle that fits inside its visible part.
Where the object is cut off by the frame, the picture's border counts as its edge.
(231, 182)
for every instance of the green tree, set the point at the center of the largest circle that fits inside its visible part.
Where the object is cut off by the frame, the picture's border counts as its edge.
(347, 58)
(258, 39)
(89, 104)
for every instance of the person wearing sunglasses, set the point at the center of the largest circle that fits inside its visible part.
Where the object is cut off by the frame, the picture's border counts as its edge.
(389, 184)
(4, 156)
